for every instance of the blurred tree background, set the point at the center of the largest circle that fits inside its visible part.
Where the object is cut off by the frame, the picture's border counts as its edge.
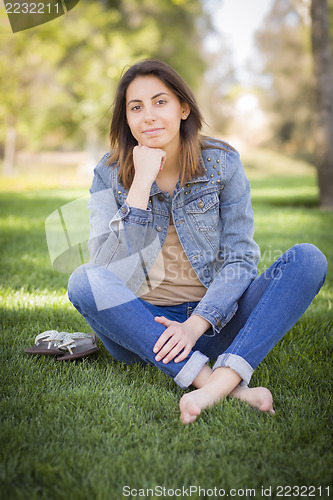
(295, 44)
(57, 81)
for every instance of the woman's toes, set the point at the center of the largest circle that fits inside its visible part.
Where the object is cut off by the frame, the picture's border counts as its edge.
(189, 410)
(187, 418)
(266, 401)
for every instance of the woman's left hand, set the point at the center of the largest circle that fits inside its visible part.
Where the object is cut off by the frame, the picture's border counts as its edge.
(177, 338)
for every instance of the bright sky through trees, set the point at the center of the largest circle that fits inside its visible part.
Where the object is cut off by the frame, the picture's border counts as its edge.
(237, 20)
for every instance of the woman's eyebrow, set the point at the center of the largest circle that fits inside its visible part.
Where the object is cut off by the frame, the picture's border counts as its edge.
(154, 97)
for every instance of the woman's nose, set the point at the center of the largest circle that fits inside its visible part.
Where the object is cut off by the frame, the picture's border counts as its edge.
(149, 115)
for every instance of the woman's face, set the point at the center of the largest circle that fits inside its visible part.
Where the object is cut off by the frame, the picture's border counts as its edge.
(154, 113)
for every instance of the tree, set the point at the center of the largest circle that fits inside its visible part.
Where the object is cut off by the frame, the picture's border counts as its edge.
(284, 45)
(58, 80)
(321, 47)
(300, 94)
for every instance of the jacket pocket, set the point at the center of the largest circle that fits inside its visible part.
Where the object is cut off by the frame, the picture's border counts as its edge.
(204, 211)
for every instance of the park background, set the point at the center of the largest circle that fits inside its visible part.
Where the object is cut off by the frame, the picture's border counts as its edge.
(88, 428)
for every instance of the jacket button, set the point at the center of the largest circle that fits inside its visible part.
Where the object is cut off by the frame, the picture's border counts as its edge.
(218, 324)
(160, 197)
(201, 204)
(123, 210)
(159, 228)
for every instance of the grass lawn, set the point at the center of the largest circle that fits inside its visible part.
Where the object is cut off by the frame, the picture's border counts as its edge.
(87, 429)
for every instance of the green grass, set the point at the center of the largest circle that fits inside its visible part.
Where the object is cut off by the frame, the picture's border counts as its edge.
(86, 429)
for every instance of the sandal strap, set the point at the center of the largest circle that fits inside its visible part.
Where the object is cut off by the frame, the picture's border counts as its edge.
(68, 341)
(49, 336)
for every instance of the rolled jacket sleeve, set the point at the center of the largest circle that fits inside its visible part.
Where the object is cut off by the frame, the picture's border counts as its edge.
(239, 254)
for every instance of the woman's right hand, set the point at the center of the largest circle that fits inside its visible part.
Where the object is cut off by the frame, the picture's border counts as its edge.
(148, 162)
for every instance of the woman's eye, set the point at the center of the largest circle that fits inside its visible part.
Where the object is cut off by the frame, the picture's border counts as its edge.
(161, 101)
(136, 108)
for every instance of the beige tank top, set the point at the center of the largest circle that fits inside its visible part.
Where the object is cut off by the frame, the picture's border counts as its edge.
(171, 280)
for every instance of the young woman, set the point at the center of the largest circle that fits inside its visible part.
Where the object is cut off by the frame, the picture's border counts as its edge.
(173, 273)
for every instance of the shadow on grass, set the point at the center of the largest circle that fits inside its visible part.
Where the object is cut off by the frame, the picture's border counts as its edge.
(286, 202)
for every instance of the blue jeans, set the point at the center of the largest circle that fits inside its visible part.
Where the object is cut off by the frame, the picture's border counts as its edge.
(269, 307)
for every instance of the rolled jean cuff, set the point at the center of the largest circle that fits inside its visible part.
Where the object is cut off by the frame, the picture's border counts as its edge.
(191, 369)
(236, 363)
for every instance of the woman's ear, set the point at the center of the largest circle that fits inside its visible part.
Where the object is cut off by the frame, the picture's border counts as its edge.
(185, 111)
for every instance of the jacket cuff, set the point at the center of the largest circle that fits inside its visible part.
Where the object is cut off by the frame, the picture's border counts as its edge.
(214, 317)
(132, 215)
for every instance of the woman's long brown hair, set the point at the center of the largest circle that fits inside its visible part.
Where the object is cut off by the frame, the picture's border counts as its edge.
(122, 140)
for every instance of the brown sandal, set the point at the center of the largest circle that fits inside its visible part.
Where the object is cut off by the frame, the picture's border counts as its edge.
(46, 343)
(78, 345)
(65, 346)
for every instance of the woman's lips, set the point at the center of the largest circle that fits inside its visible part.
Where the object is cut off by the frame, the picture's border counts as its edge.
(152, 131)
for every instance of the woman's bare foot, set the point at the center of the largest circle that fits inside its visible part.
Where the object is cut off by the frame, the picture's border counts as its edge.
(257, 397)
(218, 384)
(193, 402)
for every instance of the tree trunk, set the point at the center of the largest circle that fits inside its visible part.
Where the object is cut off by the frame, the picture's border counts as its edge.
(321, 48)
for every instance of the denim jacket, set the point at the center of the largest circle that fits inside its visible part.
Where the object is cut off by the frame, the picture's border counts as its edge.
(213, 218)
